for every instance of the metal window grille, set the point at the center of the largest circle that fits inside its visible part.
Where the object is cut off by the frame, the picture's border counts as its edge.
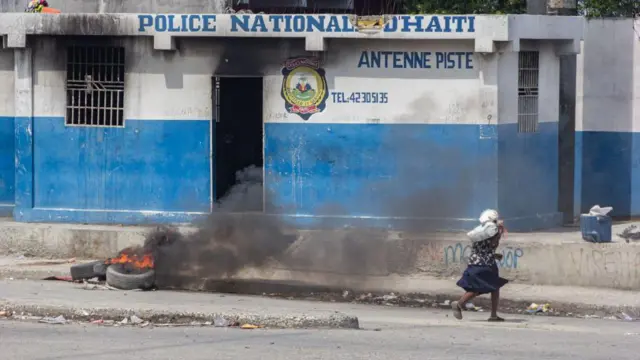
(528, 76)
(95, 86)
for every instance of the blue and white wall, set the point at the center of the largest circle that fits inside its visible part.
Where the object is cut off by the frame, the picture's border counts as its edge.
(7, 150)
(440, 149)
(528, 162)
(420, 157)
(155, 167)
(608, 118)
(444, 147)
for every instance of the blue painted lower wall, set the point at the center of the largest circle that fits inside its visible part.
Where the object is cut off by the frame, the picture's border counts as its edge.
(433, 176)
(316, 175)
(7, 167)
(528, 176)
(150, 169)
(437, 175)
(608, 171)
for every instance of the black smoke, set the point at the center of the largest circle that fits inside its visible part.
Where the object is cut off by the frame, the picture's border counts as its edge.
(229, 240)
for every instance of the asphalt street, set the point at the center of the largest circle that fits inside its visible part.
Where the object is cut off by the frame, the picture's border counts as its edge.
(397, 334)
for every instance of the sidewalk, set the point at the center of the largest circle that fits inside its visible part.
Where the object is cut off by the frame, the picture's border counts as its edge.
(75, 302)
(79, 302)
(413, 291)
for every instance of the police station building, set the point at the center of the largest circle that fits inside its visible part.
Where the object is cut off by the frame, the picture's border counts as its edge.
(396, 122)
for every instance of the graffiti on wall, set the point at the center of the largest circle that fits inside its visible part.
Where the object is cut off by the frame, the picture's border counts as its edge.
(621, 266)
(300, 23)
(459, 254)
(304, 87)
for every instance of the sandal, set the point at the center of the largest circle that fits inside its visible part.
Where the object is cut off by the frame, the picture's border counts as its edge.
(495, 319)
(457, 310)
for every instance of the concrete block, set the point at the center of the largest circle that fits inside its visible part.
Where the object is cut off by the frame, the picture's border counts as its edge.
(164, 42)
(485, 45)
(16, 40)
(315, 42)
(65, 241)
(550, 258)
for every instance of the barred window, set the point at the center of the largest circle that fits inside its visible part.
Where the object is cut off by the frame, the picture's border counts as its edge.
(95, 86)
(528, 75)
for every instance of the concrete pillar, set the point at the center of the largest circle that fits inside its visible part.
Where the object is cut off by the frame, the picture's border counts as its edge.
(23, 78)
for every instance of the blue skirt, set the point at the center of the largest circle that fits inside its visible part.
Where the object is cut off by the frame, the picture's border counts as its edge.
(481, 279)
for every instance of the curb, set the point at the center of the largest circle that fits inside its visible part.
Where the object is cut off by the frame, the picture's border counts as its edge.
(334, 321)
(320, 293)
(435, 299)
(507, 306)
(559, 309)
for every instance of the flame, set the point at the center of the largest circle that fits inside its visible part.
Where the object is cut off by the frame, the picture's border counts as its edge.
(144, 262)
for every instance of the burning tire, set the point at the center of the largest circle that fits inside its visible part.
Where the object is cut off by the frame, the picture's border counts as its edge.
(88, 270)
(119, 277)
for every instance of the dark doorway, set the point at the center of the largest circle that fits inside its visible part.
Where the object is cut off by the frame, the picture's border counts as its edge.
(238, 136)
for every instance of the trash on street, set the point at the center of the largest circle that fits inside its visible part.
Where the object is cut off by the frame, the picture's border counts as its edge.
(60, 320)
(625, 317)
(249, 326)
(538, 308)
(471, 307)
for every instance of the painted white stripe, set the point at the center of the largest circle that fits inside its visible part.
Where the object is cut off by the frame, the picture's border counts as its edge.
(432, 95)
(154, 97)
(548, 99)
(157, 86)
(549, 84)
(507, 87)
(409, 101)
(609, 72)
(7, 98)
(147, 96)
(177, 86)
(636, 78)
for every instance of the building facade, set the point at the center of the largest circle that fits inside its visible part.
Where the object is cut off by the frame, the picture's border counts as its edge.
(412, 122)
(607, 149)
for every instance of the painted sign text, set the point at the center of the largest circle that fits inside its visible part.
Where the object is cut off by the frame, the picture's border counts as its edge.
(339, 97)
(415, 60)
(199, 23)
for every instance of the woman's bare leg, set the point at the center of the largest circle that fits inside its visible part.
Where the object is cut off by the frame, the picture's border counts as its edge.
(495, 301)
(466, 298)
(456, 306)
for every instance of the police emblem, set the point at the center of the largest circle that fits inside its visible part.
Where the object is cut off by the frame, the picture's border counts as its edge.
(304, 87)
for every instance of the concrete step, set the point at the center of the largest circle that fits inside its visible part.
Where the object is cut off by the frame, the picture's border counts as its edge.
(559, 258)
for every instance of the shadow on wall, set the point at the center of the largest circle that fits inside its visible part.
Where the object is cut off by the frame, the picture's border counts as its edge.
(610, 170)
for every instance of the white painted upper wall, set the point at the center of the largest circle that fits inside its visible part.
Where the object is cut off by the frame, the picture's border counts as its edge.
(548, 83)
(7, 96)
(430, 82)
(636, 77)
(361, 71)
(158, 85)
(608, 78)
